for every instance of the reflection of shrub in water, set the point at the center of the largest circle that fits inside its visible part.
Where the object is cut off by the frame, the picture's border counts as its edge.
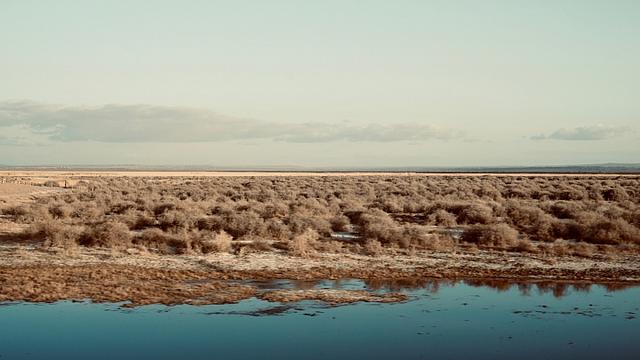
(433, 286)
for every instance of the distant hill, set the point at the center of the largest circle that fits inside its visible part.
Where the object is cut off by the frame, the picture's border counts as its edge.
(591, 168)
(578, 169)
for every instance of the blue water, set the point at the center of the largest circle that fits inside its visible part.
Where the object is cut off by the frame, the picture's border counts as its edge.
(451, 320)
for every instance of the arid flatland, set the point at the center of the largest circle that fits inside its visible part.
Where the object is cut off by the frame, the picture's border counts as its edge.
(181, 237)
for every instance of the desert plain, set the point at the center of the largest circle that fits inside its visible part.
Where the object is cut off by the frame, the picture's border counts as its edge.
(203, 237)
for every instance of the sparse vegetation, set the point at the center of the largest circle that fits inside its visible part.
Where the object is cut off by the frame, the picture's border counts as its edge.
(559, 215)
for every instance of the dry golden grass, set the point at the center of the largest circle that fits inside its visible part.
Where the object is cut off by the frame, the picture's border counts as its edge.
(221, 242)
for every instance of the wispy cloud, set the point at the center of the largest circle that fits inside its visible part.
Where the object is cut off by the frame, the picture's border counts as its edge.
(11, 140)
(147, 123)
(596, 132)
(21, 135)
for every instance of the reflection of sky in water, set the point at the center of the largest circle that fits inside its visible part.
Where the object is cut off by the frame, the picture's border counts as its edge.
(458, 320)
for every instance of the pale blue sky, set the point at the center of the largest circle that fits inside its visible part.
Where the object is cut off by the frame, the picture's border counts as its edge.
(319, 83)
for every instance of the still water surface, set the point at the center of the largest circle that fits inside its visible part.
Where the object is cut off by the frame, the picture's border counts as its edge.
(443, 320)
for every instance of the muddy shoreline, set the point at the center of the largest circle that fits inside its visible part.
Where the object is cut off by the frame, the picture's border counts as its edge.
(36, 275)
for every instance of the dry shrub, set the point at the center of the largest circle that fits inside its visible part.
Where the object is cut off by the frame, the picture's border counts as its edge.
(189, 242)
(570, 192)
(442, 217)
(583, 249)
(476, 214)
(385, 234)
(418, 236)
(261, 245)
(570, 248)
(438, 242)
(558, 248)
(567, 229)
(499, 235)
(299, 222)
(330, 246)
(377, 225)
(616, 193)
(156, 239)
(566, 209)
(54, 233)
(142, 221)
(372, 248)
(408, 235)
(525, 246)
(15, 211)
(611, 232)
(28, 214)
(108, 234)
(302, 245)
(220, 242)
(164, 207)
(275, 229)
(175, 221)
(166, 243)
(51, 183)
(340, 223)
(531, 220)
(244, 223)
(634, 218)
(122, 207)
(211, 223)
(88, 212)
(391, 206)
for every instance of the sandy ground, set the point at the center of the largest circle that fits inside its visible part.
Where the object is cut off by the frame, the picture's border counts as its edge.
(13, 194)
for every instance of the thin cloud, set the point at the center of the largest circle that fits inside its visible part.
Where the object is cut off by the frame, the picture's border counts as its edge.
(584, 133)
(146, 123)
(20, 135)
(12, 141)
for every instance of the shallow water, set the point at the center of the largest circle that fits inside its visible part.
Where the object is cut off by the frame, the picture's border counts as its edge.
(481, 320)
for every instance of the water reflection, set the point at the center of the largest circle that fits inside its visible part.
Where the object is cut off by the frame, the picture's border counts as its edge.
(486, 318)
(558, 289)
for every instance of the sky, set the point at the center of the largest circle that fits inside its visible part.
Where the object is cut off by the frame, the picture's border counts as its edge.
(338, 83)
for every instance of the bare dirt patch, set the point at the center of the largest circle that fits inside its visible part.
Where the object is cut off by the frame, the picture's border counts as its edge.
(14, 194)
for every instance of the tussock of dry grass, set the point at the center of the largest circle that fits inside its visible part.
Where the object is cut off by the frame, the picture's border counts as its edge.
(221, 242)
